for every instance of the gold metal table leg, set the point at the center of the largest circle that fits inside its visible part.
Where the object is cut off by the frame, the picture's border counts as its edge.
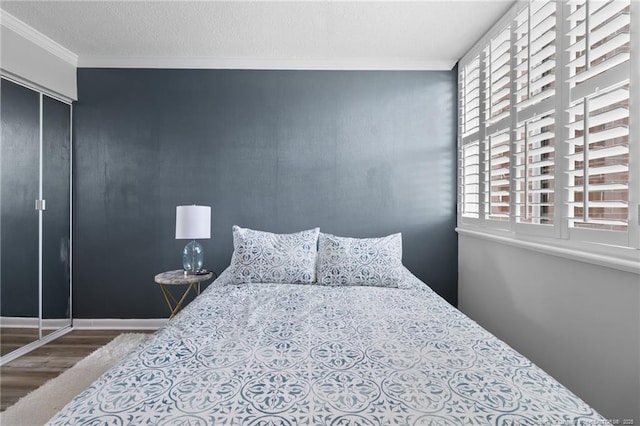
(184, 297)
(172, 302)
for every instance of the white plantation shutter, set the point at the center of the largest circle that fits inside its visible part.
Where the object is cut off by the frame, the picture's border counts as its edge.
(471, 96)
(534, 136)
(469, 155)
(495, 158)
(549, 140)
(470, 180)
(535, 55)
(600, 36)
(598, 120)
(496, 175)
(498, 81)
(534, 170)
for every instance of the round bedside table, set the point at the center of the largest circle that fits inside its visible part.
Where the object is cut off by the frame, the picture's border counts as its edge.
(168, 279)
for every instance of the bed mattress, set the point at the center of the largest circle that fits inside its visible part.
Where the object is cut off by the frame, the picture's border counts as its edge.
(284, 354)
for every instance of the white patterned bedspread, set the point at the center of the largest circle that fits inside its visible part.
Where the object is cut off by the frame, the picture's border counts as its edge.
(280, 354)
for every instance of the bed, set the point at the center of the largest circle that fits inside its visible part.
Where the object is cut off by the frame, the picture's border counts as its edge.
(266, 353)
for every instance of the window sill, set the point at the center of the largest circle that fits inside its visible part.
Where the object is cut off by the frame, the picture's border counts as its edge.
(627, 260)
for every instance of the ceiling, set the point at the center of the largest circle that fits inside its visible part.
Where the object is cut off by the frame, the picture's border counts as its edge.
(263, 34)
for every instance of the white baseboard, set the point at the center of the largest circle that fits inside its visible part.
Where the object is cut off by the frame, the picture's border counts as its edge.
(119, 324)
(19, 322)
(30, 322)
(86, 324)
(54, 324)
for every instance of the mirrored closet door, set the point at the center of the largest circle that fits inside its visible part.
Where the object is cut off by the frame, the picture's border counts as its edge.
(56, 224)
(35, 218)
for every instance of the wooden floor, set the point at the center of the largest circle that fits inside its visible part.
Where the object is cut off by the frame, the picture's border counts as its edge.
(14, 338)
(30, 371)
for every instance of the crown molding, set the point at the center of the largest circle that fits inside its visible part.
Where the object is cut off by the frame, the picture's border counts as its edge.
(166, 62)
(14, 24)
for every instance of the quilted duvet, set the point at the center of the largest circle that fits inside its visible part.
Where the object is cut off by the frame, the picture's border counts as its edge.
(286, 354)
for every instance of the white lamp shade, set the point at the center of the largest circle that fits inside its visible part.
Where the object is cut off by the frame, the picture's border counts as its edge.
(193, 222)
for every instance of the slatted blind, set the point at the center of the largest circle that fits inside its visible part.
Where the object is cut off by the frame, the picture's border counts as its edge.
(470, 167)
(600, 37)
(535, 60)
(598, 143)
(496, 175)
(498, 81)
(534, 144)
(535, 170)
(469, 156)
(495, 160)
(471, 96)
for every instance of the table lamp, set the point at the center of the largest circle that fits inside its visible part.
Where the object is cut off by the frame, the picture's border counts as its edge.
(193, 222)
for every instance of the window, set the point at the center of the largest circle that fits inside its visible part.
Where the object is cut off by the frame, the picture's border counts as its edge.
(546, 146)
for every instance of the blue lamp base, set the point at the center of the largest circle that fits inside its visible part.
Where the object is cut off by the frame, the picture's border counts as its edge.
(192, 258)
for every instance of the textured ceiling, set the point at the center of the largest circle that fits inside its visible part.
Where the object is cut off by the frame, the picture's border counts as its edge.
(264, 34)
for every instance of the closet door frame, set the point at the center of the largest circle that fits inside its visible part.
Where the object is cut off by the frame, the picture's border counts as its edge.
(41, 207)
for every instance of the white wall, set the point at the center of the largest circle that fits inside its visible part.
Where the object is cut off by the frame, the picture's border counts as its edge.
(30, 63)
(577, 321)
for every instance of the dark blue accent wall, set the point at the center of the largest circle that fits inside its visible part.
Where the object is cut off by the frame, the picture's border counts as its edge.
(357, 153)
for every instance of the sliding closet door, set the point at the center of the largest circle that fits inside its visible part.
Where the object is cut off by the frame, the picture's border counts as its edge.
(19, 180)
(56, 230)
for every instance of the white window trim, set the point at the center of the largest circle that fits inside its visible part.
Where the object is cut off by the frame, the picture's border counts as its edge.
(620, 258)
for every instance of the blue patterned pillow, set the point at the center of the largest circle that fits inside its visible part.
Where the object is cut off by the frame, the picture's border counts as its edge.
(274, 258)
(360, 261)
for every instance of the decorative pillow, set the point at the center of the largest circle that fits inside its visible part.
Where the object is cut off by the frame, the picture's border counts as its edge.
(360, 261)
(274, 258)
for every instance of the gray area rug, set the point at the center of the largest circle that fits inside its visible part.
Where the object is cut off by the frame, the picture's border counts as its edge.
(37, 407)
